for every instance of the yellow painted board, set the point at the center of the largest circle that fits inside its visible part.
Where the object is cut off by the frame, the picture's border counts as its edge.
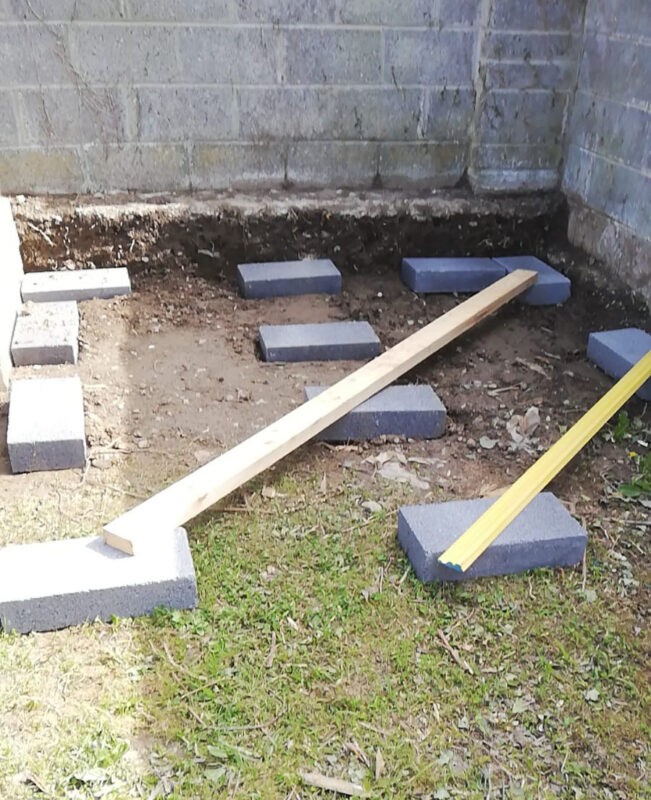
(470, 545)
(202, 488)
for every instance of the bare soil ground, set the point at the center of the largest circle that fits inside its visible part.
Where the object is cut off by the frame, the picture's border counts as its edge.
(172, 377)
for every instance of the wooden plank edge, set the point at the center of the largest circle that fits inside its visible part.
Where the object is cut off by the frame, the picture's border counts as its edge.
(170, 508)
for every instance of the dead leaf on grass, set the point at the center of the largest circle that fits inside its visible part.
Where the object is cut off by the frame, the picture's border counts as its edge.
(379, 764)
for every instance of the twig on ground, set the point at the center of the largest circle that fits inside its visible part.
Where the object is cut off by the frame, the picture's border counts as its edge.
(455, 656)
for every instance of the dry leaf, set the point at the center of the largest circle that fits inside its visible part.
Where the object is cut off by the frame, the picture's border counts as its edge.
(332, 784)
(379, 764)
(392, 471)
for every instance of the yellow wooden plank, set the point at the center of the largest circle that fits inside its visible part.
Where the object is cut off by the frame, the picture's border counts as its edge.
(471, 544)
(205, 486)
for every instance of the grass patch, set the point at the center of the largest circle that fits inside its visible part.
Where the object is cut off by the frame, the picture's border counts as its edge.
(315, 649)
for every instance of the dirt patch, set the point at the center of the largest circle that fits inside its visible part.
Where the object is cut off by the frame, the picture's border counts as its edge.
(172, 378)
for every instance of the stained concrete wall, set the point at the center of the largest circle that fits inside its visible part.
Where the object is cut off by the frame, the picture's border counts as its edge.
(607, 174)
(102, 95)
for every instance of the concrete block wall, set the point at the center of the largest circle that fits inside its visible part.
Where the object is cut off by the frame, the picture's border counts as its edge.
(105, 95)
(607, 172)
(526, 69)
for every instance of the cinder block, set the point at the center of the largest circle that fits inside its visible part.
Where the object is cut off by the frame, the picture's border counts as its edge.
(11, 275)
(615, 352)
(534, 117)
(450, 274)
(236, 165)
(46, 424)
(413, 410)
(211, 54)
(333, 56)
(81, 284)
(46, 333)
(178, 113)
(321, 341)
(429, 57)
(52, 585)
(284, 278)
(551, 287)
(543, 535)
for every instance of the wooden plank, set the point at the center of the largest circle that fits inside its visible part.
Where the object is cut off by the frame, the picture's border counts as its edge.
(199, 490)
(471, 544)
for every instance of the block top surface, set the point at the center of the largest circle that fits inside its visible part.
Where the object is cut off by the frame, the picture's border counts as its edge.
(288, 270)
(69, 566)
(318, 334)
(451, 264)
(546, 273)
(46, 321)
(45, 409)
(438, 525)
(411, 397)
(630, 343)
(77, 280)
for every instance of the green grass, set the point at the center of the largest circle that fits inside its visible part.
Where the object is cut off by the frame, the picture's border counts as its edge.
(192, 705)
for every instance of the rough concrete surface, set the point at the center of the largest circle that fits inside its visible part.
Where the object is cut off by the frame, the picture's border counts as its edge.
(321, 341)
(46, 333)
(551, 287)
(615, 352)
(413, 410)
(543, 535)
(52, 585)
(286, 278)
(82, 284)
(433, 275)
(11, 275)
(46, 424)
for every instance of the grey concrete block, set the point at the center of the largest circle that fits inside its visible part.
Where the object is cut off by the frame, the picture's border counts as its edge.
(543, 535)
(427, 57)
(8, 123)
(503, 181)
(332, 56)
(81, 115)
(533, 117)
(537, 15)
(49, 170)
(338, 164)
(197, 113)
(286, 12)
(607, 64)
(517, 157)
(80, 284)
(46, 333)
(130, 167)
(413, 411)
(216, 55)
(64, 10)
(449, 114)
(525, 75)
(526, 46)
(33, 57)
(615, 352)
(331, 113)
(11, 276)
(429, 275)
(425, 165)
(551, 287)
(115, 54)
(46, 424)
(238, 166)
(169, 11)
(52, 585)
(288, 278)
(321, 341)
